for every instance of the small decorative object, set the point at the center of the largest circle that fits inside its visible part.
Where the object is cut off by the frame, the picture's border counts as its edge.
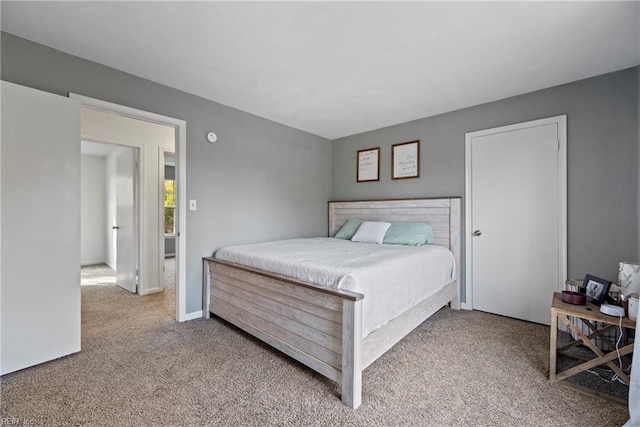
(575, 298)
(368, 165)
(405, 160)
(595, 288)
(629, 278)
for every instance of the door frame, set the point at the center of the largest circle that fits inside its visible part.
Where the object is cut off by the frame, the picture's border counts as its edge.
(180, 147)
(561, 123)
(162, 154)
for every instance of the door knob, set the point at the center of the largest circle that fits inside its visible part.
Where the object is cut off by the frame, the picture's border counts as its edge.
(477, 233)
(115, 227)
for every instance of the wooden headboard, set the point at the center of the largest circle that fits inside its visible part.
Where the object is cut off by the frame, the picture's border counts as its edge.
(444, 215)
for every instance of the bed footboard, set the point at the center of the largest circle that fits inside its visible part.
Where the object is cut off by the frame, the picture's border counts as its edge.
(319, 327)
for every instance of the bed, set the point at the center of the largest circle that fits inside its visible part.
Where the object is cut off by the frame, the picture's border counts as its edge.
(329, 328)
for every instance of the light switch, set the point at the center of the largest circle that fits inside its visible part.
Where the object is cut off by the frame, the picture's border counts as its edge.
(193, 205)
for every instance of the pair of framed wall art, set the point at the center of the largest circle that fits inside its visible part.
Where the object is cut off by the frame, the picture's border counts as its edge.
(405, 162)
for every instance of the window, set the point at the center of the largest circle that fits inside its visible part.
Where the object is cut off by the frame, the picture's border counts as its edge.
(169, 206)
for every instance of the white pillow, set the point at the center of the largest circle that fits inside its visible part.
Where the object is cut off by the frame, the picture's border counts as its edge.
(371, 232)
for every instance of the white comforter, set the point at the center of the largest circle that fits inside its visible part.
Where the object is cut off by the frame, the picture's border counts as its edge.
(392, 278)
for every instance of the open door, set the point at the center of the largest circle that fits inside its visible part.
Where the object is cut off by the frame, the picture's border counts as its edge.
(40, 223)
(126, 239)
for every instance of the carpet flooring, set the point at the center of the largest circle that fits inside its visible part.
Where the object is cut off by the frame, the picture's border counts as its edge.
(139, 367)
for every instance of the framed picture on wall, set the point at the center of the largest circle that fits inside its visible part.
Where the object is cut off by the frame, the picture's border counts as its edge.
(368, 166)
(405, 160)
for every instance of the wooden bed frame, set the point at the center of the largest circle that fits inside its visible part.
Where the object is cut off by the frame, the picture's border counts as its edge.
(320, 327)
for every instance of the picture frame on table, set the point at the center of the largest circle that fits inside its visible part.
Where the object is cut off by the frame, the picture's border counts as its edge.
(595, 288)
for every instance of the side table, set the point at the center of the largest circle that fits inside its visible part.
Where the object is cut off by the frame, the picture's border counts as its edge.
(589, 314)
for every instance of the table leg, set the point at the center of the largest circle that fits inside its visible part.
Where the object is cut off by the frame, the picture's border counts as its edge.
(553, 345)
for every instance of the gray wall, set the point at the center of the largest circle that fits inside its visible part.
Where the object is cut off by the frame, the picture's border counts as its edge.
(264, 181)
(261, 181)
(603, 141)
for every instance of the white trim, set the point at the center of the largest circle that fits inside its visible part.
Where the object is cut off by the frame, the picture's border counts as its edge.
(161, 152)
(561, 123)
(193, 315)
(161, 165)
(181, 161)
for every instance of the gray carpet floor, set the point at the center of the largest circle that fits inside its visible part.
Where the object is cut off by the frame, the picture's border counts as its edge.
(138, 367)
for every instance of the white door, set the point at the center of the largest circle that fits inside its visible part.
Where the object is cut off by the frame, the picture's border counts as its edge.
(516, 225)
(126, 239)
(40, 217)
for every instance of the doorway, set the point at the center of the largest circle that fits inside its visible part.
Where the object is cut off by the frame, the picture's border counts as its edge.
(110, 232)
(179, 130)
(149, 217)
(516, 218)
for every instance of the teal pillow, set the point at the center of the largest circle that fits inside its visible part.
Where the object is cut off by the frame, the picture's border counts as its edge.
(409, 233)
(348, 229)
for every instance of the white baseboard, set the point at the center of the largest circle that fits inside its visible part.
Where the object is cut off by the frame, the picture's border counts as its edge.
(465, 306)
(193, 315)
(93, 263)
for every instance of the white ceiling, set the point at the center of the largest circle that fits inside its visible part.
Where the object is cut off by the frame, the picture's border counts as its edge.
(339, 68)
